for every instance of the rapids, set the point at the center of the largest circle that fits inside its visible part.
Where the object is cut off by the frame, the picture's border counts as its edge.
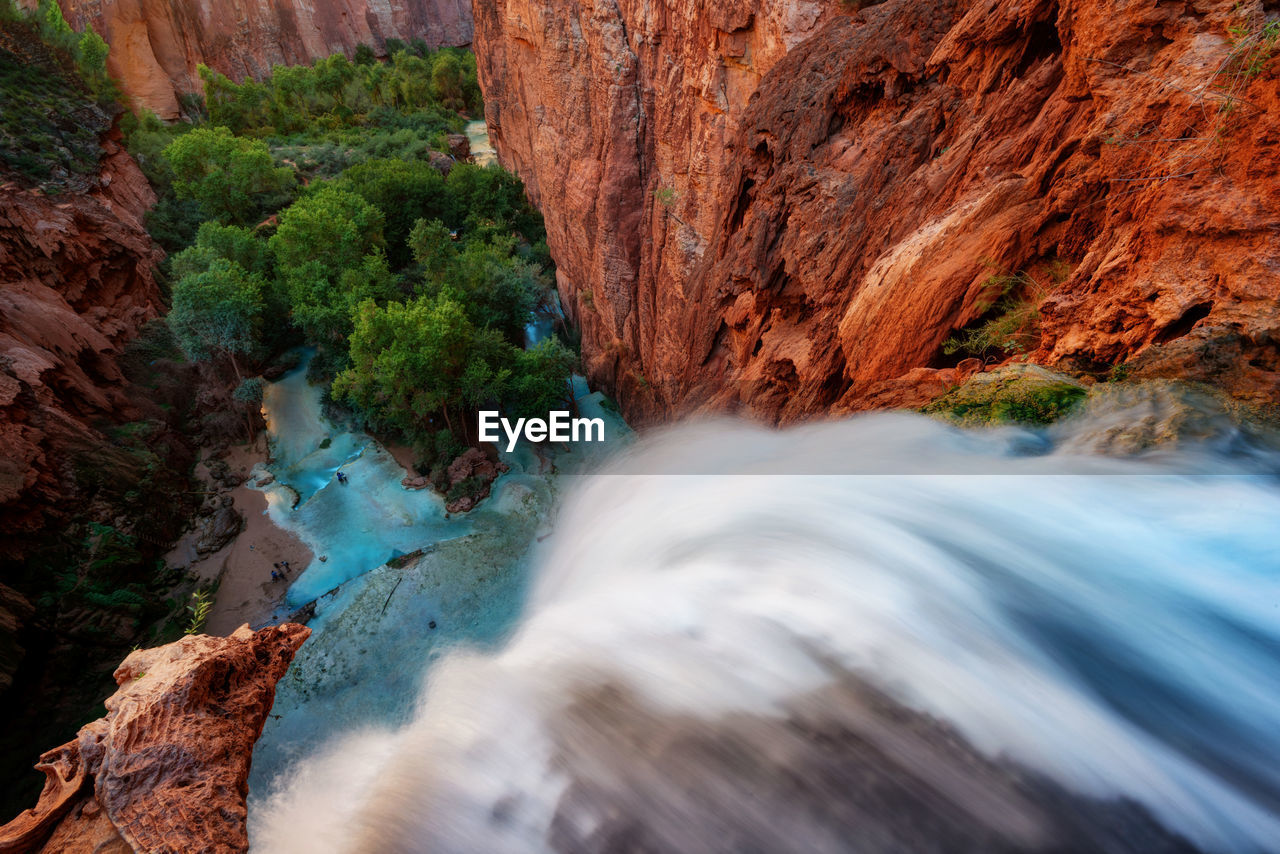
(482, 151)
(882, 634)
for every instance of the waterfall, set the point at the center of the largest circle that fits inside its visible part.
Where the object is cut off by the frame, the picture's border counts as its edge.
(881, 634)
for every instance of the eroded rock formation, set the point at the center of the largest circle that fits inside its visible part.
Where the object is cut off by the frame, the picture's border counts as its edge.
(787, 206)
(78, 282)
(167, 769)
(157, 44)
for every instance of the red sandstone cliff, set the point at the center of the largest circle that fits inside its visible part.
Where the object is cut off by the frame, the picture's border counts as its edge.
(78, 282)
(157, 44)
(167, 769)
(787, 206)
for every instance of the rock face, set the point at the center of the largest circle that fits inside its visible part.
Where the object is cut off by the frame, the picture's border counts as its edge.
(184, 722)
(219, 529)
(15, 611)
(787, 206)
(157, 44)
(78, 283)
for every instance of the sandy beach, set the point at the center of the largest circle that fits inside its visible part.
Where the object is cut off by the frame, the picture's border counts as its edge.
(246, 593)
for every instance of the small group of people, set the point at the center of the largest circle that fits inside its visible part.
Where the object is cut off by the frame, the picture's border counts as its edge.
(342, 478)
(279, 570)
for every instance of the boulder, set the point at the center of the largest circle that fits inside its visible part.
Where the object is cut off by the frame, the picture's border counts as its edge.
(167, 768)
(223, 526)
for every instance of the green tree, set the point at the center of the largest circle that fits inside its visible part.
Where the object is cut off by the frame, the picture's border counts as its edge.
(238, 106)
(218, 313)
(229, 242)
(541, 379)
(498, 290)
(321, 237)
(447, 81)
(93, 51)
(234, 179)
(434, 246)
(408, 361)
(404, 192)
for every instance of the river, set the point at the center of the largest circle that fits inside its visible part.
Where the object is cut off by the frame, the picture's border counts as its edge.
(457, 581)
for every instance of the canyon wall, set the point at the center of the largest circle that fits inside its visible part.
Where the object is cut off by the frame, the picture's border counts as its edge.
(157, 44)
(78, 276)
(167, 768)
(786, 207)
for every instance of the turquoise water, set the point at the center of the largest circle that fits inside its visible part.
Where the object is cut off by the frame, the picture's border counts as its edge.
(356, 526)
(376, 636)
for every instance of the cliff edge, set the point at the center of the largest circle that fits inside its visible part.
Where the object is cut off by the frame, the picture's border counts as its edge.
(167, 769)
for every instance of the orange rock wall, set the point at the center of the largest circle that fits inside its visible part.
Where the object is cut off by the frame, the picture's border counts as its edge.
(785, 207)
(167, 768)
(157, 44)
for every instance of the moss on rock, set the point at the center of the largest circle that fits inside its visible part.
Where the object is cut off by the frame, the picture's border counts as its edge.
(1014, 394)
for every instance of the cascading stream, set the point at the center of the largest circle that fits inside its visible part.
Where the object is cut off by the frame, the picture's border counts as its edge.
(875, 635)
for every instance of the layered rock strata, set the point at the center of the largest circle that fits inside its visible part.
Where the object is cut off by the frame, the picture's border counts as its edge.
(787, 207)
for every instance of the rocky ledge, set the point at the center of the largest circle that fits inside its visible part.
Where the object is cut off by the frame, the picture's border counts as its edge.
(167, 768)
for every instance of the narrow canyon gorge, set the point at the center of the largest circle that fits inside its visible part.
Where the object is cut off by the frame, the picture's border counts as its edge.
(1035, 239)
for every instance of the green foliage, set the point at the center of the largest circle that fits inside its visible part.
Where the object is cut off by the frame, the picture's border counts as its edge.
(408, 361)
(218, 312)
(541, 379)
(1031, 397)
(334, 93)
(432, 246)
(1010, 303)
(200, 607)
(325, 286)
(414, 287)
(405, 192)
(448, 81)
(498, 290)
(491, 201)
(58, 98)
(174, 222)
(147, 137)
(415, 365)
(234, 179)
(332, 227)
(226, 242)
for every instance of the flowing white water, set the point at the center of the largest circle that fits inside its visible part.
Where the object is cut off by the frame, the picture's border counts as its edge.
(482, 151)
(1116, 632)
